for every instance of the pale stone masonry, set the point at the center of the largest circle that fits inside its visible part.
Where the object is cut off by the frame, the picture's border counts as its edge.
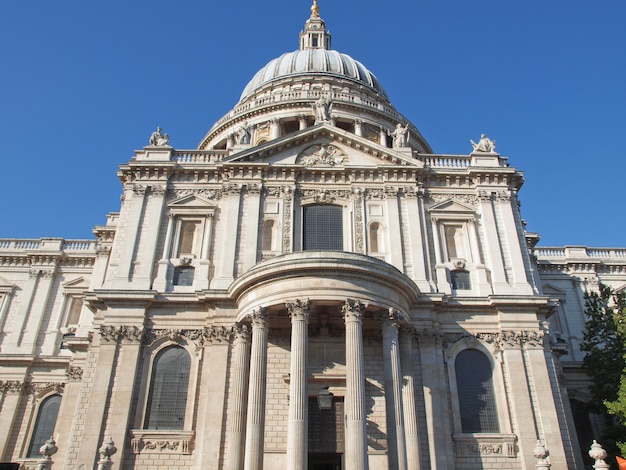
(313, 246)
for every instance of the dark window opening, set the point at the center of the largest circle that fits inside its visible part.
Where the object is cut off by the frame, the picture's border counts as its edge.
(476, 395)
(183, 276)
(323, 227)
(460, 280)
(45, 424)
(167, 399)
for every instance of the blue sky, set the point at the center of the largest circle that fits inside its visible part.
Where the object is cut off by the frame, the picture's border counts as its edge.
(84, 83)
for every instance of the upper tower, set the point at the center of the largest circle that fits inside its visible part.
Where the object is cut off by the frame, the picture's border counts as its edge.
(315, 35)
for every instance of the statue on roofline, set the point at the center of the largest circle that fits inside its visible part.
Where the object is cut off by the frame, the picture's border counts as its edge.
(400, 136)
(323, 108)
(158, 139)
(484, 145)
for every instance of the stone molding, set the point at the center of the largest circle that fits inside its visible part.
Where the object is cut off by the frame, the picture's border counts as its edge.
(161, 442)
(470, 199)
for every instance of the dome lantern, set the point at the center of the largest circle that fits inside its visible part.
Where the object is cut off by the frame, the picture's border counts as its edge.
(315, 35)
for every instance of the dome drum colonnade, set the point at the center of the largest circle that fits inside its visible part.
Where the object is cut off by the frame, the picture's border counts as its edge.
(327, 283)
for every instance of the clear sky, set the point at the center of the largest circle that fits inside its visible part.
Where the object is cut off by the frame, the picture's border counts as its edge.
(84, 83)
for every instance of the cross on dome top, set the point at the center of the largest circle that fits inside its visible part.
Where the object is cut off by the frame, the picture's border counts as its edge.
(315, 35)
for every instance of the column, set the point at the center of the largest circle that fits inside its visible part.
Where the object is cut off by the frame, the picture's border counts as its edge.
(358, 127)
(382, 137)
(356, 435)
(255, 426)
(413, 456)
(297, 436)
(396, 445)
(302, 121)
(275, 128)
(237, 415)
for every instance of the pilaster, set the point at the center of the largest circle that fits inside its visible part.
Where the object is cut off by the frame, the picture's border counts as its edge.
(228, 241)
(11, 391)
(436, 401)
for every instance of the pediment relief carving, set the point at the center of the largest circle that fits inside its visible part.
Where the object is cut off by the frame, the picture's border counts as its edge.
(322, 155)
(190, 201)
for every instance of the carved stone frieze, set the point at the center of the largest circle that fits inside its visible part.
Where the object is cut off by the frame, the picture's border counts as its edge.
(272, 191)
(232, 188)
(12, 386)
(74, 374)
(139, 189)
(127, 334)
(287, 218)
(469, 199)
(199, 337)
(161, 442)
(324, 195)
(513, 339)
(359, 224)
(488, 446)
(204, 193)
(40, 389)
(503, 196)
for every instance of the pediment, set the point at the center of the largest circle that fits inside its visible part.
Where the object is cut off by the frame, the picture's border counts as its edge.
(452, 209)
(325, 146)
(6, 285)
(76, 284)
(190, 201)
(553, 291)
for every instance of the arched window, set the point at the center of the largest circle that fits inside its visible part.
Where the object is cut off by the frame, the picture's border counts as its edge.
(477, 401)
(167, 398)
(268, 232)
(183, 276)
(44, 425)
(323, 227)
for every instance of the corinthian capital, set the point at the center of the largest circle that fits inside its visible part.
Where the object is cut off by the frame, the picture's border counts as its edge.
(299, 309)
(259, 318)
(352, 310)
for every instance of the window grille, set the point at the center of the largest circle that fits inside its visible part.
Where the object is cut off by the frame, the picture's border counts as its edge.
(45, 424)
(323, 227)
(167, 399)
(476, 395)
(183, 276)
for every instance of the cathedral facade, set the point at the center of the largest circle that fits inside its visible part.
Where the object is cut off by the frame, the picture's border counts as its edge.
(311, 287)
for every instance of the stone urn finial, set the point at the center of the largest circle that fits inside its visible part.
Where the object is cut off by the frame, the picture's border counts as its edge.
(106, 451)
(597, 453)
(47, 451)
(541, 453)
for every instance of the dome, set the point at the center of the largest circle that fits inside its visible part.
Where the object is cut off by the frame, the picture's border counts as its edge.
(311, 62)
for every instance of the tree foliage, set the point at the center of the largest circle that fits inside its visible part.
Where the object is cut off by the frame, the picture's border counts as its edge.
(604, 341)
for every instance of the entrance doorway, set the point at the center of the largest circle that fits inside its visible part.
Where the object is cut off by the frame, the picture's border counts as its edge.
(326, 436)
(324, 461)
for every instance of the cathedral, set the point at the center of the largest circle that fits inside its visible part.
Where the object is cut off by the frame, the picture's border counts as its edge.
(310, 288)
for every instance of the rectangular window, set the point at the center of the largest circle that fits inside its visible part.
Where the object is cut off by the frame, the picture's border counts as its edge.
(73, 314)
(188, 241)
(323, 227)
